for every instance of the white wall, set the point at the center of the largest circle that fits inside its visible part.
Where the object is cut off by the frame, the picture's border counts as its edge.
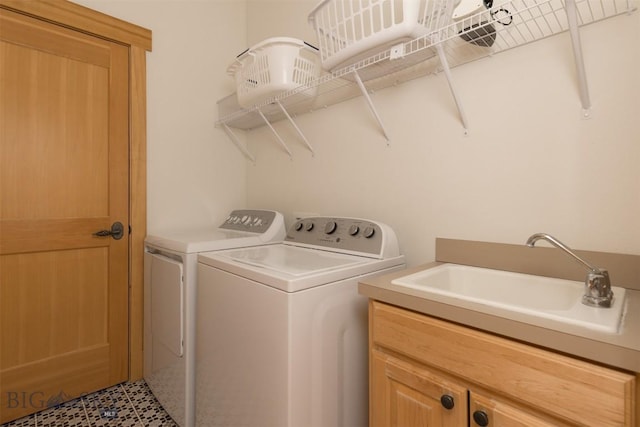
(195, 175)
(530, 163)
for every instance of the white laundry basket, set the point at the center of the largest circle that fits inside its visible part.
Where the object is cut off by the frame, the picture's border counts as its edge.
(273, 66)
(351, 30)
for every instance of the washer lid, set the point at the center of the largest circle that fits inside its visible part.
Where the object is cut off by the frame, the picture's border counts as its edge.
(294, 261)
(291, 268)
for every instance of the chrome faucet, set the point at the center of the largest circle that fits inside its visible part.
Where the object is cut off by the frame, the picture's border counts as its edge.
(598, 291)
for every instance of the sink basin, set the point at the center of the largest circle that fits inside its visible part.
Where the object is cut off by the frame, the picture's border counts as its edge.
(537, 300)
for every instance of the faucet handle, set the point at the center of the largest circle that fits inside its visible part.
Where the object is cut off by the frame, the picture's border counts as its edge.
(598, 289)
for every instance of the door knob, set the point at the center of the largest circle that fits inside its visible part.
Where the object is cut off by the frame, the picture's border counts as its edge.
(117, 231)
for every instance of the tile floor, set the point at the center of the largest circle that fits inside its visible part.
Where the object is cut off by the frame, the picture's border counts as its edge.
(124, 405)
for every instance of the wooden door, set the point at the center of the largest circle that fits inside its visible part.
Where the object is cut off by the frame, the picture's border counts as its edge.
(404, 395)
(64, 173)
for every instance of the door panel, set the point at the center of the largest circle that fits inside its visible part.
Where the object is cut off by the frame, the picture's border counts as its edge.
(407, 395)
(57, 126)
(64, 174)
(59, 282)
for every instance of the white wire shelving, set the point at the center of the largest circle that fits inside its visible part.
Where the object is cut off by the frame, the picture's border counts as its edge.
(506, 25)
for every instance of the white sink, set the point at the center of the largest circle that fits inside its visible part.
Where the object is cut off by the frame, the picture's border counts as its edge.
(536, 300)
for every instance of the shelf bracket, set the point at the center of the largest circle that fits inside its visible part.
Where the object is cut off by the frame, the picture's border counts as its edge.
(237, 142)
(372, 107)
(275, 133)
(572, 18)
(447, 73)
(295, 126)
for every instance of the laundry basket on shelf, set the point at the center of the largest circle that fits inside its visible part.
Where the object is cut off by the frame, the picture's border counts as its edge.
(273, 66)
(351, 30)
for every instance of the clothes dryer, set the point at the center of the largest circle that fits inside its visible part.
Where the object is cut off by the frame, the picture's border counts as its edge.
(170, 261)
(282, 330)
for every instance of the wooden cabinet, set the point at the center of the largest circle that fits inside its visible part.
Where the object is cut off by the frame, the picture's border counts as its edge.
(420, 366)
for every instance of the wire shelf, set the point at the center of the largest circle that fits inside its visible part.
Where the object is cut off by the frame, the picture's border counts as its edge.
(508, 24)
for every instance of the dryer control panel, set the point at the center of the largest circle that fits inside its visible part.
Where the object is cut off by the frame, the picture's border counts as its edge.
(347, 235)
(251, 220)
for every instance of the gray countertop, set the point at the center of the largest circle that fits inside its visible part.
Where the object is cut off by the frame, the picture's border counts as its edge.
(620, 350)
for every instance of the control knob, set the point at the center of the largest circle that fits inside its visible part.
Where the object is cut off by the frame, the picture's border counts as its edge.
(354, 230)
(309, 226)
(330, 227)
(369, 232)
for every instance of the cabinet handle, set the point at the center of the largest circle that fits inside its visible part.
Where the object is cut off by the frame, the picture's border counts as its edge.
(447, 401)
(481, 418)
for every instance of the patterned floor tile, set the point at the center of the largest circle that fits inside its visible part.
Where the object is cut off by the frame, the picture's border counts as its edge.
(70, 414)
(147, 407)
(29, 421)
(124, 405)
(111, 407)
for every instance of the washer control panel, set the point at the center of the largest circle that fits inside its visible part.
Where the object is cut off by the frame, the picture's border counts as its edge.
(351, 235)
(251, 220)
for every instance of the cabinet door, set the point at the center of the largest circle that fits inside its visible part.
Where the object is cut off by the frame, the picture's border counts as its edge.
(404, 395)
(494, 412)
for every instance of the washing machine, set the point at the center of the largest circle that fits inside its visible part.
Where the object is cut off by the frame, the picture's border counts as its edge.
(170, 263)
(282, 331)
